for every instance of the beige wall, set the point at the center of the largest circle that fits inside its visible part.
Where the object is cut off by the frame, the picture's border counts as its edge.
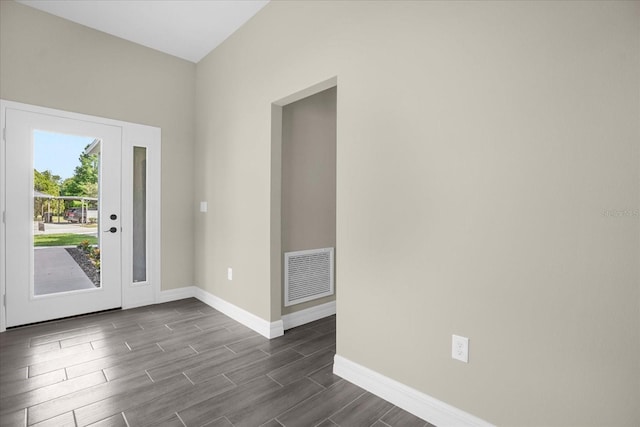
(51, 62)
(478, 146)
(309, 178)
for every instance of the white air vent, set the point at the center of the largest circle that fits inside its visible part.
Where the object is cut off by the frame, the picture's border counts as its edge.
(307, 275)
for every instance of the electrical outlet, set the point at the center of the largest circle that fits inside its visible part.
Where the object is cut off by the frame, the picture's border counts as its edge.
(460, 348)
(229, 273)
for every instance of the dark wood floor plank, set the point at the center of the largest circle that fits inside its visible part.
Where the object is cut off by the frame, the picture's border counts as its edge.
(218, 366)
(21, 351)
(400, 418)
(68, 334)
(14, 375)
(250, 343)
(11, 388)
(262, 367)
(325, 376)
(69, 402)
(110, 360)
(146, 319)
(194, 337)
(182, 365)
(150, 361)
(113, 421)
(363, 411)
(120, 402)
(215, 321)
(99, 335)
(223, 422)
(157, 335)
(324, 326)
(131, 335)
(321, 406)
(162, 407)
(222, 337)
(23, 335)
(190, 320)
(302, 367)
(218, 406)
(273, 403)
(289, 340)
(172, 421)
(315, 344)
(43, 394)
(15, 418)
(70, 358)
(13, 361)
(189, 305)
(14, 338)
(64, 420)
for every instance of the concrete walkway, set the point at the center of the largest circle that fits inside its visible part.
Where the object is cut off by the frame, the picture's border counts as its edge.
(56, 271)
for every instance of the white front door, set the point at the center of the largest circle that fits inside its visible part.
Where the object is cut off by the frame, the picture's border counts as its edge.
(47, 282)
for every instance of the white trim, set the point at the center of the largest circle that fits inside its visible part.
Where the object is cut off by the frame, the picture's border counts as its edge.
(250, 320)
(411, 400)
(3, 319)
(308, 315)
(176, 294)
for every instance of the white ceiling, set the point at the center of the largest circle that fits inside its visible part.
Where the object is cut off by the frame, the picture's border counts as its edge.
(188, 29)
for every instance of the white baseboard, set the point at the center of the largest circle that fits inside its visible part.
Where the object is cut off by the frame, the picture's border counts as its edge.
(250, 320)
(411, 400)
(176, 294)
(308, 315)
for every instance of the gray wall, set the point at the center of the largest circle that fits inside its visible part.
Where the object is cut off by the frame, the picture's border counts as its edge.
(309, 177)
(52, 62)
(479, 147)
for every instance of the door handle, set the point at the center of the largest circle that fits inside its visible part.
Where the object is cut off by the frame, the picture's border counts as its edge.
(111, 230)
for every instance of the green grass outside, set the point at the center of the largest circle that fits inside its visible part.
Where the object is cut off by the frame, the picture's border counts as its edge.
(66, 239)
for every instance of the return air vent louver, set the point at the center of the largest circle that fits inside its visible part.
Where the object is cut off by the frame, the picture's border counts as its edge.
(307, 275)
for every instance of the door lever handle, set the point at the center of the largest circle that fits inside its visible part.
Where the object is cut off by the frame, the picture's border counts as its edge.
(111, 230)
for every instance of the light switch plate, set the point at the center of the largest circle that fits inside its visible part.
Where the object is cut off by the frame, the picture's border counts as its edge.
(203, 206)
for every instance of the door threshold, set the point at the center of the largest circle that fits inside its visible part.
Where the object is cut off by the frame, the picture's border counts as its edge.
(62, 318)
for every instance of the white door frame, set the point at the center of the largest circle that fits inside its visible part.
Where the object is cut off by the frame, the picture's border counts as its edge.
(133, 135)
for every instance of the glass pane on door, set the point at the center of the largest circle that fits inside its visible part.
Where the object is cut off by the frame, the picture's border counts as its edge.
(66, 250)
(139, 214)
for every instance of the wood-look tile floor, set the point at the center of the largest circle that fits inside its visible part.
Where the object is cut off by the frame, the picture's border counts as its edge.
(179, 364)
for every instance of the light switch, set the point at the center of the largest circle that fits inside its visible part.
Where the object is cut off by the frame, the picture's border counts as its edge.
(203, 206)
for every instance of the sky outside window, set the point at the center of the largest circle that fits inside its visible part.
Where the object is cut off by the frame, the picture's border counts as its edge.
(57, 152)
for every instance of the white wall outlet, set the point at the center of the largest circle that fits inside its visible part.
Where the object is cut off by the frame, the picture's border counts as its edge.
(203, 206)
(460, 348)
(229, 273)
